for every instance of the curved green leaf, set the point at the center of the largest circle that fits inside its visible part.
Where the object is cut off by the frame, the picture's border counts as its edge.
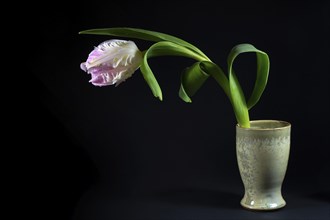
(161, 49)
(237, 95)
(263, 65)
(236, 92)
(192, 79)
(143, 35)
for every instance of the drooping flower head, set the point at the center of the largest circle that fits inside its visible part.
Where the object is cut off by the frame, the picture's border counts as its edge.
(112, 62)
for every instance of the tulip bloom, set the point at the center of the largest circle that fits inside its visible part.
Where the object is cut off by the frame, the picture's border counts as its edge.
(112, 62)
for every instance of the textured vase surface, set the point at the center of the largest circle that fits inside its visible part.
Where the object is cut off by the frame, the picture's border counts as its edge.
(262, 155)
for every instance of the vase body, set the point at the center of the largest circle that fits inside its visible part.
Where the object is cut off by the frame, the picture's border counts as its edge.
(262, 155)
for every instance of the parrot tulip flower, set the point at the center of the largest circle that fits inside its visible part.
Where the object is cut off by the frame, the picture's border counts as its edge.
(112, 62)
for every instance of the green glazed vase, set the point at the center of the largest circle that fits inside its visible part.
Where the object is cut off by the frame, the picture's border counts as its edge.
(262, 154)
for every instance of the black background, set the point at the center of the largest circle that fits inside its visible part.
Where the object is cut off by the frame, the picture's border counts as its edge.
(119, 153)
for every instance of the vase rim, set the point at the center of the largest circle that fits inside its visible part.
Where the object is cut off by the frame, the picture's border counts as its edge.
(264, 125)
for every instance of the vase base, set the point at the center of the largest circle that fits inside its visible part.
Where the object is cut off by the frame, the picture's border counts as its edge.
(263, 207)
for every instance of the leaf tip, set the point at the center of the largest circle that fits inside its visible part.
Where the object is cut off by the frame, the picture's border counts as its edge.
(158, 96)
(85, 32)
(185, 98)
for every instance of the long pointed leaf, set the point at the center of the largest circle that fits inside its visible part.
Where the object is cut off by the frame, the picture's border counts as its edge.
(238, 99)
(161, 49)
(236, 92)
(143, 35)
(263, 65)
(192, 79)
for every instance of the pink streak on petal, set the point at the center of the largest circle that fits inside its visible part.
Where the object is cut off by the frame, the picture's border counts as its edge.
(94, 54)
(102, 75)
(98, 81)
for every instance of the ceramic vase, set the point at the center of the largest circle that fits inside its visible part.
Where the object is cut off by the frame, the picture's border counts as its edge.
(262, 155)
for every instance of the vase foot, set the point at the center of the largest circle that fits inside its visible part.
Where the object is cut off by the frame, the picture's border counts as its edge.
(269, 206)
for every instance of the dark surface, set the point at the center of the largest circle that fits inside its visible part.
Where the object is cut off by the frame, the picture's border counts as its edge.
(119, 153)
(195, 204)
